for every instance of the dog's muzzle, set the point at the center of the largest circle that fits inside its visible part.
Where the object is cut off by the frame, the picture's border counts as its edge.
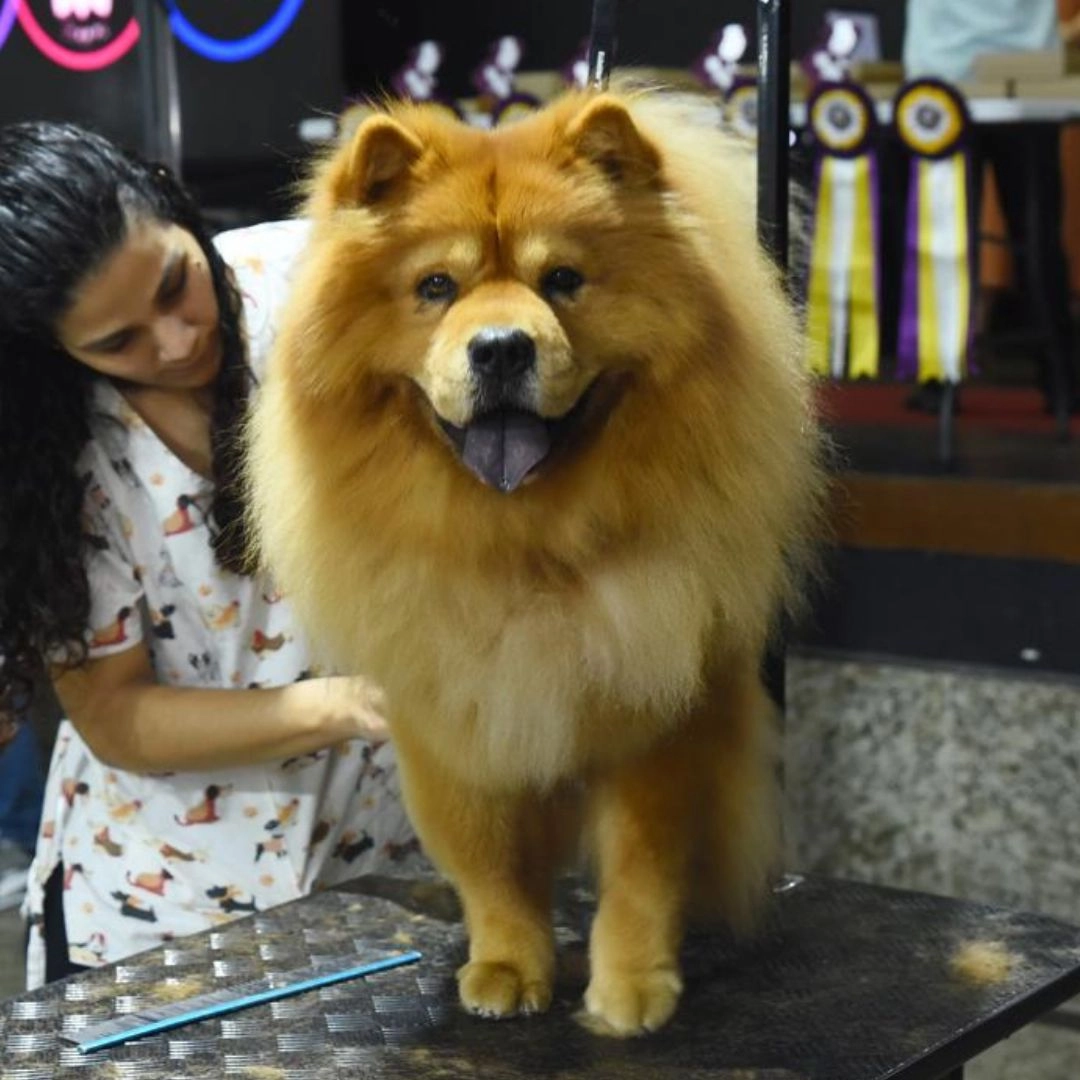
(506, 441)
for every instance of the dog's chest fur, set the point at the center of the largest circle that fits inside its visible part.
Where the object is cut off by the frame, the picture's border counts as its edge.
(518, 684)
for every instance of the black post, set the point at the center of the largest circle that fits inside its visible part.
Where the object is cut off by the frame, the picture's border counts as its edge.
(159, 85)
(774, 93)
(602, 42)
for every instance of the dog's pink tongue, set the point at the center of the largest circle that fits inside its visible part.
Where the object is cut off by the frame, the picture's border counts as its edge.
(501, 447)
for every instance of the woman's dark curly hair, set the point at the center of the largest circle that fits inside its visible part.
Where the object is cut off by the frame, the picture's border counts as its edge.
(67, 199)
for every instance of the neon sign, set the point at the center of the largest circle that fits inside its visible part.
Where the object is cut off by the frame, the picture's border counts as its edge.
(8, 12)
(72, 59)
(212, 48)
(231, 52)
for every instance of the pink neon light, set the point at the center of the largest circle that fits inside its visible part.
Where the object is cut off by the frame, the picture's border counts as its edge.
(82, 9)
(69, 58)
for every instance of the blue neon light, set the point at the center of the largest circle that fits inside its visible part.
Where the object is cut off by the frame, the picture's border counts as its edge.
(231, 52)
(8, 12)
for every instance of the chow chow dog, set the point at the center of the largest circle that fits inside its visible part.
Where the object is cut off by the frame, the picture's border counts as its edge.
(534, 453)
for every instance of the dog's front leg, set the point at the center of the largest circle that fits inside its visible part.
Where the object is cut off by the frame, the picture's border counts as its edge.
(642, 835)
(511, 964)
(500, 850)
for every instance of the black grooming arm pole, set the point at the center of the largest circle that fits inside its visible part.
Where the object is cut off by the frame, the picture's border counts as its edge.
(774, 91)
(605, 15)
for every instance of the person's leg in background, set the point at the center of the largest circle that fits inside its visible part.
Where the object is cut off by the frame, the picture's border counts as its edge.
(21, 791)
(1027, 167)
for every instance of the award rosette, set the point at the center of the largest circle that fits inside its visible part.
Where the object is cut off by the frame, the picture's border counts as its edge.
(515, 107)
(499, 98)
(932, 121)
(741, 106)
(448, 105)
(843, 293)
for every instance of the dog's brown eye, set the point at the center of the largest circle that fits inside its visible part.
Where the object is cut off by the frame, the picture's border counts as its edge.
(437, 288)
(562, 281)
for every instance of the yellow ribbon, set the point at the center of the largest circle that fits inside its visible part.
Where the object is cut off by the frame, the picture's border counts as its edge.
(944, 275)
(865, 341)
(842, 296)
(818, 315)
(929, 332)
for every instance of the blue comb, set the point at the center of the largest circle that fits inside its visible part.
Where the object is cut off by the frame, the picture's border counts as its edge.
(229, 999)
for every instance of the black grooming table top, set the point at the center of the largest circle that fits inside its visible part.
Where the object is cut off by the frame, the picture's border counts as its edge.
(845, 982)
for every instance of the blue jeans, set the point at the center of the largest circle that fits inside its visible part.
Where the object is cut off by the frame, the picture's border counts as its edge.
(22, 789)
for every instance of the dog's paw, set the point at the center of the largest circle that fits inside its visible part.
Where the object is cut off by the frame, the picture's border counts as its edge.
(500, 990)
(630, 1003)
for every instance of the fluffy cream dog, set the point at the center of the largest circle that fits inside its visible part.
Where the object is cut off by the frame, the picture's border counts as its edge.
(535, 454)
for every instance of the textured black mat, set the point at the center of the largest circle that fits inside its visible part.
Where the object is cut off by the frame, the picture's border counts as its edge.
(846, 982)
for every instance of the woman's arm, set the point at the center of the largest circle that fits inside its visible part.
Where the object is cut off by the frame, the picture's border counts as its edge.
(131, 722)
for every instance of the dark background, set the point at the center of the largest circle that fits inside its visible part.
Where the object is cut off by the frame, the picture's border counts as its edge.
(240, 121)
(663, 33)
(242, 110)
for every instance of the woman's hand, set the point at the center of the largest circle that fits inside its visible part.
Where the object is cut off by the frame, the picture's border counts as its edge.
(343, 706)
(130, 721)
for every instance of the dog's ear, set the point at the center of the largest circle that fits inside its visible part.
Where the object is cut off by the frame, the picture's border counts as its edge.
(605, 134)
(376, 162)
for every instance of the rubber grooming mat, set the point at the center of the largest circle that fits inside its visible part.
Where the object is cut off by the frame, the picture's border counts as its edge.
(845, 982)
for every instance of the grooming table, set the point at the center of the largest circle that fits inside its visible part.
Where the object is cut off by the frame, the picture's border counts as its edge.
(845, 982)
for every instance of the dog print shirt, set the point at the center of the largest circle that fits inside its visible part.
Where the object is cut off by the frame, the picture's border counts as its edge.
(149, 858)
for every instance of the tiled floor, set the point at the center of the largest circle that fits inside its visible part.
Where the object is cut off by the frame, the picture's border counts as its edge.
(1036, 1052)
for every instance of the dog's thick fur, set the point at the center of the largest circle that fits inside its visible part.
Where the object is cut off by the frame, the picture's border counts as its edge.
(576, 660)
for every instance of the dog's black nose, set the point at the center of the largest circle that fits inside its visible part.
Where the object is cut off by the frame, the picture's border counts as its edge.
(501, 353)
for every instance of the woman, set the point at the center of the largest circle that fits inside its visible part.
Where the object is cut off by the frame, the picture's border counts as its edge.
(203, 773)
